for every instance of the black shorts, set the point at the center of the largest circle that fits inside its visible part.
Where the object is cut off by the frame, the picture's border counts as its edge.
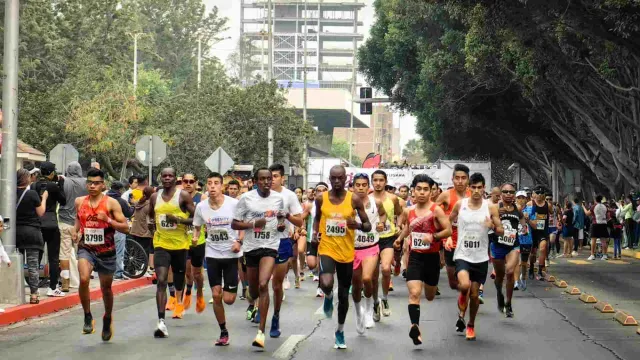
(227, 269)
(525, 251)
(344, 271)
(537, 237)
(448, 258)
(146, 243)
(252, 258)
(477, 272)
(196, 255)
(102, 265)
(387, 242)
(600, 231)
(177, 259)
(424, 267)
(312, 249)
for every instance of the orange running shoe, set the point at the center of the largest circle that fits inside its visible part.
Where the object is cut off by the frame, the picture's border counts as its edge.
(186, 301)
(171, 304)
(200, 304)
(471, 333)
(178, 313)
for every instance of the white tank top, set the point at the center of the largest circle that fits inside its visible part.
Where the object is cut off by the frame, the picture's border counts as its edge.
(473, 238)
(367, 239)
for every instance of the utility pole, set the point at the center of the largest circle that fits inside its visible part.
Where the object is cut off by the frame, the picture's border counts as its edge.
(135, 62)
(199, 60)
(270, 75)
(305, 166)
(353, 81)
(12, 290)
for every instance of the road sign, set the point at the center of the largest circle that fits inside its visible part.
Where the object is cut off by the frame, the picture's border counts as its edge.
(151, 147)
(219, 161)
(62, 155)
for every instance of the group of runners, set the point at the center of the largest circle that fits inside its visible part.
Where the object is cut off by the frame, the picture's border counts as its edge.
(354, 236)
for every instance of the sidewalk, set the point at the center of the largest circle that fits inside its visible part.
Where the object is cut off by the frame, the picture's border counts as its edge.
(633, 253)
(16, 313)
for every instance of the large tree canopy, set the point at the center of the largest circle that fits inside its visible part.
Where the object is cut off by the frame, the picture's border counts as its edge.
(76, 85)
(534, 81)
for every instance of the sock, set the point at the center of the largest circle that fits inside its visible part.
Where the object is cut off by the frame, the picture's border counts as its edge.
(172, 290)
(64, 274)
(414, 313)
(340, 327)
(223, 326)
(276, 314)
(189, 287)
(88, 316)
(358, 307)
(161, 315)
(368, 304)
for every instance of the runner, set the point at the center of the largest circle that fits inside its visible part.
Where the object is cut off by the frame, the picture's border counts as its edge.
(475, 216)
(367, 254)
(98, 218)
(196, 254)
(526, 243)
(285, 251)
(335, 216)
(448, 200)
(233, 189)
(312, 247)
(427, 225)
(387, 237)
(259, 211)
(538, 219)
(171, 211)
(505, 248)
(223, 248)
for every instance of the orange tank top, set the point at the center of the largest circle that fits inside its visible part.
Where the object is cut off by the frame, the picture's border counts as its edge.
(97, 235)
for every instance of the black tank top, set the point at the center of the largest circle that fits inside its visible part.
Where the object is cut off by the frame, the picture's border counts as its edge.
(510, 221)
(541, 219)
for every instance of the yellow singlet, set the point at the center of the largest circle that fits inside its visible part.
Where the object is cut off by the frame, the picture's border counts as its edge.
(168, 235)
(337, 240)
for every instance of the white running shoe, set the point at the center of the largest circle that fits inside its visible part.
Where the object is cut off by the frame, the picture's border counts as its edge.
(360, 315)
(574, 253)
(316, 278)
(605, 257)
(319, 293)
(55, 293)
(161, 330)
(591, 257)
(286, 284)
(368, 318)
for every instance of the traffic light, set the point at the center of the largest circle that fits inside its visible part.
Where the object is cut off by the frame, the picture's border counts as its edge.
(366, 108)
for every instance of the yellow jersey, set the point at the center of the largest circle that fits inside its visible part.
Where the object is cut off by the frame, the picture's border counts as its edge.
(336, 239)
(169, 235)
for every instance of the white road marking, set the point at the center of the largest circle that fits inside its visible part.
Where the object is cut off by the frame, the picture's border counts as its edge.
(285, 350)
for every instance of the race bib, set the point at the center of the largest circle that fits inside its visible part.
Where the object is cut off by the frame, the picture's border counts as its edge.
(508, 239)
(190, 229)
(216, 235)
(418, 241)
(93, 237)
(470, 241)
(166, 224)
(365, 239)
(261, 235)
(539, 224)
(336, 227)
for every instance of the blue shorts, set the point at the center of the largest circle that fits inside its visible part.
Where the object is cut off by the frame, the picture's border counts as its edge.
(501, 252)
(567, 232)
(285, 251)
(553, 230)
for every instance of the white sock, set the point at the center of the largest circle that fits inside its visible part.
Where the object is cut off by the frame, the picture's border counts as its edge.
(340, 327)
(368, 303)
(358, 307)
(64, 274)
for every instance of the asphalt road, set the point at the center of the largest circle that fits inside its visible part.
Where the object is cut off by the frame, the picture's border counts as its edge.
(547, 325)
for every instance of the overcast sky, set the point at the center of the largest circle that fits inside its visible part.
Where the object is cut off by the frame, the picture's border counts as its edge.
(231, 10)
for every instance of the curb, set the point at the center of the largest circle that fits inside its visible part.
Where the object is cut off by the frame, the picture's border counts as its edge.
(46, 306)
(627, 253)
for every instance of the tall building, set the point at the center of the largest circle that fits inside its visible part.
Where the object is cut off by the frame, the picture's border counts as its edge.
(332, 33)
(380, 138)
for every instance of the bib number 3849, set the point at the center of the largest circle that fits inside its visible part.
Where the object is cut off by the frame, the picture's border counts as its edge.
(336, 227)
(93, 237)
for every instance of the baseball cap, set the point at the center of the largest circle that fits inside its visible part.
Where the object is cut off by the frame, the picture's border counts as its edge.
(521, 193)
(47, 167)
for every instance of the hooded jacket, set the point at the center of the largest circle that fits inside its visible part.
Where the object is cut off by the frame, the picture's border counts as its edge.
(126, 209)
(139, 227)
(74, 186)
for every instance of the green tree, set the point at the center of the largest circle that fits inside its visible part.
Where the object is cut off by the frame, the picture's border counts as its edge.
(414, 153)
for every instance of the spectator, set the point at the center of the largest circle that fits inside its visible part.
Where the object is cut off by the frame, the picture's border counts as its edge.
(629, 224)
(74, 187)
(136, 194)
(599, 229)
(578, 226)
(117, 188)
(567, 230)
(615, 228)
(53, 184)
(29, 209)
(133, 184)
(4, 257)
(139, 227)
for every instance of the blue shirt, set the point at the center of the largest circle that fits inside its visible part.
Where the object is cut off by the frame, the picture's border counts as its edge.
(578, 217)
(526, 239)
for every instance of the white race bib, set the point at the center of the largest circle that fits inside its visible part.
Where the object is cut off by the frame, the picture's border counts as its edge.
(418, 241)
(365, 239)
(166, 224)
(507, 239)
(93, 237)
(539, 224)
(217, 234)
(470, 241)
(336, 227)
(261, 234)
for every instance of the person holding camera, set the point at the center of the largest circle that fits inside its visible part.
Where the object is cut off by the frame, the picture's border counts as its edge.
(54, 185)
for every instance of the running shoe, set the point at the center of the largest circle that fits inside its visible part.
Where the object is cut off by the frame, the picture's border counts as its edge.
(386, 310)
(200, 304)
(415, 335)
(471, 333)
(319, 293)
(224, 339)
(186, 302)
(493, 274)
(259, 340)
(508, 311)
(275, 327)
(523, 284)
(437, 291)
(89, 325)
(340, 344)
(481, 296)
(286, 284)
(328, 306)
(531, 275)
(460, 324)
(376, 312)
(316, 278)
(178, 312)
(256, 319)
(297, 283)
(171, 304)
(55, 293)
(251, 312)
(161, 330)
(107, 328)
(360, 316)
(311, 275)
(540, 277)
(516, 285)
(500, 301)
(404, 274)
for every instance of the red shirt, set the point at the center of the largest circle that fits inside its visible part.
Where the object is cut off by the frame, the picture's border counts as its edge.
(429, 227)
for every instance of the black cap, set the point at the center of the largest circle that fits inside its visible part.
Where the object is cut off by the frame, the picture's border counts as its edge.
(47, 167)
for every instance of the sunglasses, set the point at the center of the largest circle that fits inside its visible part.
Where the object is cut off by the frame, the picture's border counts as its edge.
(188, 182)
(510, 192)
(361, 176)
(95, 183)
